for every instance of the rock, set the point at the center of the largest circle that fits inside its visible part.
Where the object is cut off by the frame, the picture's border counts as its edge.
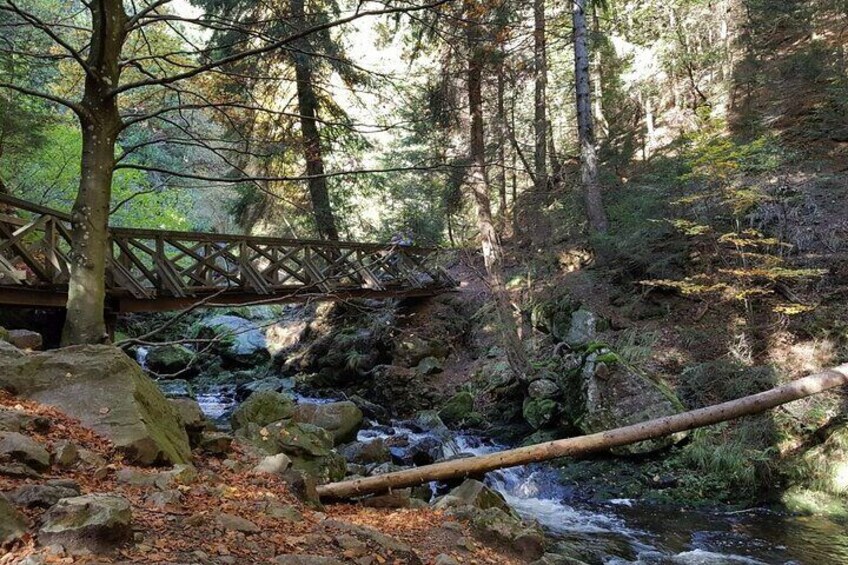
(273, 464)
(309, 447)
(608, 394)
(457, 408)
(25, 339)
(429, 421)
(12, 523)
(167, 499)
(369, 409)
(553, 317)
(40, 496)
(341, 419)
(444, 559)
(20, 421)
(235, 523)
(424, 451)
(279, 511)
(501, 527)
(543, 388)
(539, 412)
(243, 344)
(306, 560)
(106, 391)
(401, 390)
(366, 452)
(19, 448)
(304, 487)
(65, 453)
(169, 359)
(95, 522)
(273, 384)
(397, 498)
(163, 480)
(175, 388)
(429, 366)
(9, 351)
(582, 330)
(215, 443)
(384, 543)
(261, 409)
(473, 493)
(190, 415)
(411, 350)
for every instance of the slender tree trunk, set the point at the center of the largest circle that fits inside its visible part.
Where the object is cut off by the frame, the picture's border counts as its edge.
(100, 123)
(571, 447)
(479, 182)
(540, 119)
(313, 153)
(585, 128)
(501, 141)
(598, 78)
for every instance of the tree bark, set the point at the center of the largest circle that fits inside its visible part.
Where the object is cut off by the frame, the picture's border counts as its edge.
(540, 120)
(501, 141)
(585, 128)
(325, 221)
(479, 183)
(601, 441)
(100, 123)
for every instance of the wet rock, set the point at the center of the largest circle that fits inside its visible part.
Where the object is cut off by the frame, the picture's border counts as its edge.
(95, 522)
(169, 359)
(40, 496)
(108, 392)
(475, 494)
(366, 452)
(175, 388)
(12, 523)
(215, 443)
(65, 453)
(369, 409)
(273, 464)
(342, 419)
(457, 409)
(424, 451)
(16, 447)
(244, 342)
(608, 394)
(261, 409)
(543, 388)
(25, 339)
(540, 412)
(235, 523)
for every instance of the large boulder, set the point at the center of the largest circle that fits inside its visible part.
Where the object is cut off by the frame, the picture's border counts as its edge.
(243, 341)
(108, 392)
(262, 408)
(309, 447)
(169, 359)
(95, 522)
(606, 393)
(341, 419)
(472, 493)
(458, 408)
(12, 523)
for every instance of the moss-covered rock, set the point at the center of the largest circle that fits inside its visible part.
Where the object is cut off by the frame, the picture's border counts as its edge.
(108, 392)
(309, 447)
(473, 493)
(262, 408)
(540, 412)
(169, 359)
(457, 409)
(341, 419)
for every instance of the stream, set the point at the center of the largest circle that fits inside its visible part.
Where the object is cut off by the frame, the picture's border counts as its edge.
(622, 531)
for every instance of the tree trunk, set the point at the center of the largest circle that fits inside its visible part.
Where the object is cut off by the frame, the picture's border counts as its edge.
(325, 221)
(585, 127)
(475, 466)
(501, 141)
(540, 120)
(100, 123)
(479, 182)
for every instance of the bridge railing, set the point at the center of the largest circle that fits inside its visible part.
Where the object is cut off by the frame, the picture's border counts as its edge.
(35, 252)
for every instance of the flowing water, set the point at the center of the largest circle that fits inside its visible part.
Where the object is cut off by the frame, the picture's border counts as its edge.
(621, 531)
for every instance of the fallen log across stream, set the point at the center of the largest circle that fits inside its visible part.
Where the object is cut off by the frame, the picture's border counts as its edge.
(475, 466)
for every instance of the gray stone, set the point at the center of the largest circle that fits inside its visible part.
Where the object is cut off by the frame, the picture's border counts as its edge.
(167, 499)
(175, 388)
(366, 452)
(583, 328)
(458, 408)
(244, 341)
(429, 366)
(215, 443)
(236, 523)
(443, 559)
(20, 421)
(278, 511)
(169, 359)
(109, 393)
(397, 498)
(306, 560)
(399, 549)
(25, 339)
(540, 412)
(543, 388)
(341, 419)
(273, 464)
(502, 527)
(12, 523)
(472, 493)
(95, 522)
(303, 486)
(65, 453)
(19, 448)
(261, 409)
(40, 496)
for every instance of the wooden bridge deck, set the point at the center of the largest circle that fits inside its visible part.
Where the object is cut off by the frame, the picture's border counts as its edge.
(154, 270)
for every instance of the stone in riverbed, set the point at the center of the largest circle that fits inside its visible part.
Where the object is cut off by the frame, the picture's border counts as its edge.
(19, 448)
(366, 452)
(341, 419)
(95, 522)
(244, 342)
(169, 359)
(473, 493)
(458, 408)
(262, 408)
(108, 392)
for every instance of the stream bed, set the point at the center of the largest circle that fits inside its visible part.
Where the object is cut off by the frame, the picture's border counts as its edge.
(623, 531)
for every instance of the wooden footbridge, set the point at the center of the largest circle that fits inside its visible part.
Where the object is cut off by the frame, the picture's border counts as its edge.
(154, 270)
